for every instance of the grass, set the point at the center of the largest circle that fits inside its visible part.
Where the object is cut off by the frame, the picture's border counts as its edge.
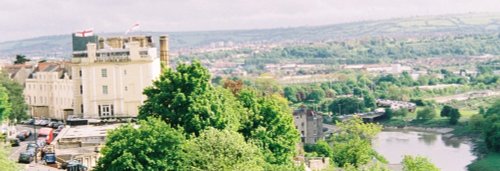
(490, 162)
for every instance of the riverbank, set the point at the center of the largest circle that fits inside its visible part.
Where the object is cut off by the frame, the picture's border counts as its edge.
(486, 161)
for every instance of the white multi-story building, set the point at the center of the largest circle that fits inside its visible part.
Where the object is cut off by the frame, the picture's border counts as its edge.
(49, 91)
(111, 74)
(105, 79)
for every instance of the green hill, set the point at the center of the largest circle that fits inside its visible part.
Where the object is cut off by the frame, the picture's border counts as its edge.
(404, 27)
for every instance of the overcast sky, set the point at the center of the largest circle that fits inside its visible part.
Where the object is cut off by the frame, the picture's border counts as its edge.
(30, 18)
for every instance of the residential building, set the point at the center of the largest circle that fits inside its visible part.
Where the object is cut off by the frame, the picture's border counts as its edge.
(49, 90)
(309, 124)
(18, 72)
(110, 74)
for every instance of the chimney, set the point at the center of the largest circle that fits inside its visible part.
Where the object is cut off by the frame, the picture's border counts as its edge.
(164, 50)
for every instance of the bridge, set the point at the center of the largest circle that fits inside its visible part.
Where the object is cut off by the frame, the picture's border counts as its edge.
(368, 117)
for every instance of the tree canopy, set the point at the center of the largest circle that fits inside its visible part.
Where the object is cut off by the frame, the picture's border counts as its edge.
(217, 150)
(185, 98)
(153, 145)
(21, 59)
(418, 163)
(352, 144)
(15, 92)
(5, 105)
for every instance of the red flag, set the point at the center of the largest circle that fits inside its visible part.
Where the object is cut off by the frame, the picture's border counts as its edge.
(85, 33)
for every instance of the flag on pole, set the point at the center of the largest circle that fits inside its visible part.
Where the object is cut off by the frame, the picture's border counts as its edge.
(133, 28)
(85, 33)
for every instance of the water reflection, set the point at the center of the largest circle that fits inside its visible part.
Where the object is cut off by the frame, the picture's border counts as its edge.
(427, 138)
(394, 144)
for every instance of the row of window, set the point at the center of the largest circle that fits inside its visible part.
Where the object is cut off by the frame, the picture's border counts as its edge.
(104, 72)
(48, 87)
(104, 89)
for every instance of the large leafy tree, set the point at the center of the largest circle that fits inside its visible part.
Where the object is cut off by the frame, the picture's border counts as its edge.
(5, 105)
(185, 98)
(269, 125)
(418, 163)
(352, 144)
(153, 145)
(221, 150)
(15, 91)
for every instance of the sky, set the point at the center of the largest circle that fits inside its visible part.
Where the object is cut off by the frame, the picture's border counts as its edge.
(32, 18)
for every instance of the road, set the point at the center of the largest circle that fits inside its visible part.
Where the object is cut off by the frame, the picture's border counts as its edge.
(15, 151)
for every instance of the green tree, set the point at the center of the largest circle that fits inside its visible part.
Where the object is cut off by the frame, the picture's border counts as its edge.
(5, 105)
(15, 91)
(321, 149)
(454, 116)
(21, 59)
(352, 143)
(270, 126)
(316, 95)
(153, 145)
(369, 101)
(491, 131)
(291, 94)
(427, 113)
(401, 112)
(347, 105)
(185, 98)
(445, 112)
(418, 163)
(221, 150)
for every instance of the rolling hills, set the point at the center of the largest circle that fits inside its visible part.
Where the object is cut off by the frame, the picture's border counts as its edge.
(474, 23)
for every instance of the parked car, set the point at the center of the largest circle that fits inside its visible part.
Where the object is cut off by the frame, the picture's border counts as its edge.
(31, 145)
(50, 158)
(28, 122)
(14, 142)
(25, 157)
(57, 125)
(21, 136)
(38, 122)
(44, 122)
(73, 165)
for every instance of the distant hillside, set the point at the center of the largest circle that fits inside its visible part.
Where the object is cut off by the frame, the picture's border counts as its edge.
(405, 27)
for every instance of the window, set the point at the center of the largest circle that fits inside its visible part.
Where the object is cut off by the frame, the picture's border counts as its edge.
(126, 89)
(105, 110)
(104, 89)
(104, 72)
(124, 72)
(81, 89)
(80, 73)
(81, 108)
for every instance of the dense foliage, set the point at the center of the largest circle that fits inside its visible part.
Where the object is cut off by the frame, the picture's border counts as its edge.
(154, 145)
(5, 105)
(205, 127)
(15, 91)
(185, 98)
(352, 144)
(418, 163)
(221, 150)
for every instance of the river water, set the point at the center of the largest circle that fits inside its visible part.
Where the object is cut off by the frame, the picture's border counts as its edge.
(448, 154)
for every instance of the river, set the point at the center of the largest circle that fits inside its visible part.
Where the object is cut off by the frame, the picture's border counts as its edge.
(448, 154)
